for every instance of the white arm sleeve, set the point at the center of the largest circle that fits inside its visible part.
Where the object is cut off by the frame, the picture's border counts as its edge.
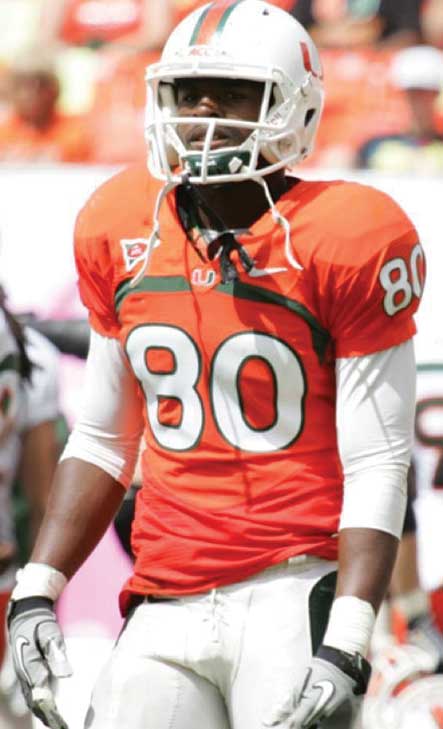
(375, 422)
(110, 425)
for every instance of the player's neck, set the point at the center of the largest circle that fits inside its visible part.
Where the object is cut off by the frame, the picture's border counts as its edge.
(240, 204)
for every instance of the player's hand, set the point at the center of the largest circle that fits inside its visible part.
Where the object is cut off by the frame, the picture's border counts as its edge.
(39, 655)
(329, 695)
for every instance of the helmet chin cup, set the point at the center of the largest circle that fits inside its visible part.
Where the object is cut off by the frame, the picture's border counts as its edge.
(219, 162)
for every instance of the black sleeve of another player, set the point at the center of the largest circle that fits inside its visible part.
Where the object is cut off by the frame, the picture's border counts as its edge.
(302, 11)
(70, 336)
(410, 523)
(404, 15)
(124, 518)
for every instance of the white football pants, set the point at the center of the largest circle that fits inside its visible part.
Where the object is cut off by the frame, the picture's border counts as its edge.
(219, 660)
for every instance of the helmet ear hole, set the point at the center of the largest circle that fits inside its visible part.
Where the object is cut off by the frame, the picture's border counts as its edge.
(308, 116)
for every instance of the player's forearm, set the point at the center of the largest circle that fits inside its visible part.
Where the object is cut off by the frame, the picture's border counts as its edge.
(82, 502)
(366, 561)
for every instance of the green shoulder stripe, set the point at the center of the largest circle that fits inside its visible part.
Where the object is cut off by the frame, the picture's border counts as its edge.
(152, 284)
(320, 336)
(237, 289)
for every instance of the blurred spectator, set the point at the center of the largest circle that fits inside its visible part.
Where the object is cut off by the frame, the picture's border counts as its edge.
(117, 115)
(35, 129)
(418, 71)
(134, 24)
(353, 23)
(181, 8)
(4, 91)
(128, 34)
(29, 450)
(432, 22)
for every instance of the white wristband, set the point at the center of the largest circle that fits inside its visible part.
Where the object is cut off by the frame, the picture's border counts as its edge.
(350, 626)
(38, 580)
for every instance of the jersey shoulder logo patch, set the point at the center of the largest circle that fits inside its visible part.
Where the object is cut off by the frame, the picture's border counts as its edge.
(134, 251)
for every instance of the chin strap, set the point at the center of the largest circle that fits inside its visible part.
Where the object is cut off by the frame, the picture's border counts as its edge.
(227, 243)
(154, 238)
(223, 242)
(280, 220)
(220, 243)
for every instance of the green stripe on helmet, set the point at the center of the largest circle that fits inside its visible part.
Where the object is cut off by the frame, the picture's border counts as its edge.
(199, 24)
(220, 25)
(225, 18)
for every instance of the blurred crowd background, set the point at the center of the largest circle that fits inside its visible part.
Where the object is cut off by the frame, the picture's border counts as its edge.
(72, 79)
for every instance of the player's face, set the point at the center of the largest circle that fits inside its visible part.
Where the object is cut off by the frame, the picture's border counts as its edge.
(423, 107)
(217, 98)
(35, 95)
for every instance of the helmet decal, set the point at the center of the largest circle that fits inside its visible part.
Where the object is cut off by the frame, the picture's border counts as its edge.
(307, 60)
(212, 21)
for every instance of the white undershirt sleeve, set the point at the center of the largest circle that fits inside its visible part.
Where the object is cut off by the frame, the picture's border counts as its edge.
(375, 422)
(110, 425)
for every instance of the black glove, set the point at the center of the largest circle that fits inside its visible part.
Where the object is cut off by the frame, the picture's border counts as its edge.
(39, 655)
(329, 695)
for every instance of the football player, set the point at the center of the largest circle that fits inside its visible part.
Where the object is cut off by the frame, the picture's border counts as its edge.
(28, 450)
(416, 618)
(256, 330)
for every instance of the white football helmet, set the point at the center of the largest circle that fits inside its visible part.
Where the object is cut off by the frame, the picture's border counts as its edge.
(248, 40)
(403, 693)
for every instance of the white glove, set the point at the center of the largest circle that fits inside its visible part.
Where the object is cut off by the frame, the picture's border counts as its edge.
(329, 695)
(39, 655)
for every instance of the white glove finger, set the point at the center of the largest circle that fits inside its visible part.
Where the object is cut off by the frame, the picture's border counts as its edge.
(326, 691)
(43, 706)
(279, 717)
(52, 645)
(55, 653)
(309, 711)
(279, 722)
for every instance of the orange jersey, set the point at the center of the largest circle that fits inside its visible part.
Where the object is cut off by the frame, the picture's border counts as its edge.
(237, 381)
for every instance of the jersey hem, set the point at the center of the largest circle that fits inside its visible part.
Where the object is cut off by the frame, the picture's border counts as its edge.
(137, 585)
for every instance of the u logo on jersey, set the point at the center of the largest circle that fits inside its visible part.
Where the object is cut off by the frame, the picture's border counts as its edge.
(199, 277)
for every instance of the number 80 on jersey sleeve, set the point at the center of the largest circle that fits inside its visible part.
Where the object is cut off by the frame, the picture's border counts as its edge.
(402, 280)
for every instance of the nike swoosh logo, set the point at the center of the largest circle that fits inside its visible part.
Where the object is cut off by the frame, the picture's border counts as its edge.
(327, 689)
(256, 272)
(20, 643)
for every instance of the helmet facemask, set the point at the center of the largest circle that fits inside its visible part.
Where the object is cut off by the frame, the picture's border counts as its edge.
(281, 136)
